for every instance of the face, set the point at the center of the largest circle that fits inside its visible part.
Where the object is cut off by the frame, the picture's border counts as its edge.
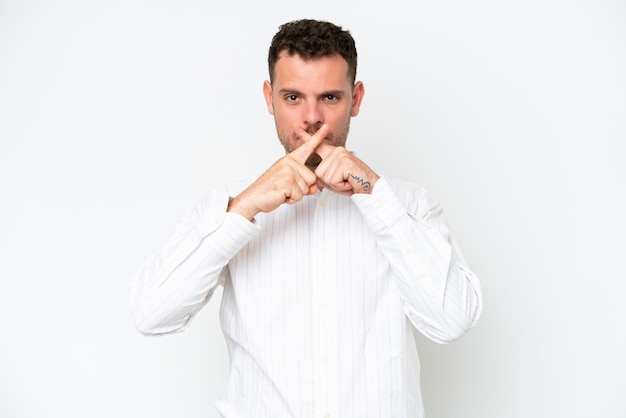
(309, 93)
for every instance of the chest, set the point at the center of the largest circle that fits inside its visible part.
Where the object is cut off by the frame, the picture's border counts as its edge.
(319, 249)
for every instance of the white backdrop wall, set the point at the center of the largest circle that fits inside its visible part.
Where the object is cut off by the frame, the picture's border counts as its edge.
(115, 116)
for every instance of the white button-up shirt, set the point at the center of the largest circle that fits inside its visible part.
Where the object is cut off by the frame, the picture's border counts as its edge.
(318, 300)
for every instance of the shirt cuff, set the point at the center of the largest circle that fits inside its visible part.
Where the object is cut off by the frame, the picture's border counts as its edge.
(224, 231)
(382, 208)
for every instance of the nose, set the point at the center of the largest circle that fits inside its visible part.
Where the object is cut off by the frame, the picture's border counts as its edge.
(312, 115)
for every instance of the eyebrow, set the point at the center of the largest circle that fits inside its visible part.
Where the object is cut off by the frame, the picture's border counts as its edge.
(289, 91)
(338, 93)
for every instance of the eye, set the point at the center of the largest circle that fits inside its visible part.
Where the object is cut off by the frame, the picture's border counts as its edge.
(291, 98)
(330, 98)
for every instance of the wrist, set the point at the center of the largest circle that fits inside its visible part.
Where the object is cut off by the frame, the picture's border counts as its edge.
(236, 205)
(365, 184)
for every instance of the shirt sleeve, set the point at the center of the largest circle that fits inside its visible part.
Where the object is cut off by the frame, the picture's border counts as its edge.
(442, 297)
(174, 284)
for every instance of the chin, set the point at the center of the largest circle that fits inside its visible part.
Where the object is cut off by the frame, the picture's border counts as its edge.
(313, 161)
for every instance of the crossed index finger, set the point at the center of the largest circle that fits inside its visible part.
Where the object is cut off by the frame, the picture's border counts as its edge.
(311, 142)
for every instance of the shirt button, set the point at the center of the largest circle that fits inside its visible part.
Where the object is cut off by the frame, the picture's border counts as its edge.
(326, 415)
(323, 203)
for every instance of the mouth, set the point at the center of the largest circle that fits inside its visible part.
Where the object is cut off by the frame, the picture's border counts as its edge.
(312, 129)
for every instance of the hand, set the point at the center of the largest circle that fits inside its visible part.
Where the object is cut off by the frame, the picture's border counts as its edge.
(288, 180)
(340, 171)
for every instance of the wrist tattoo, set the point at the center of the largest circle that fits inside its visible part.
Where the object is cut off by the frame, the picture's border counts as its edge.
(364, 183)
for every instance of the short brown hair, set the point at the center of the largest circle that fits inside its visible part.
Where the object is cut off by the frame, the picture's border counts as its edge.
(311, 39)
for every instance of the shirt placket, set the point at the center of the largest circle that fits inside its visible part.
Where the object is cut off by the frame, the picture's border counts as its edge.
(325, 303)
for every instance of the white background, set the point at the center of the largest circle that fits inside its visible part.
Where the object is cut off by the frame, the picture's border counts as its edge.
(115, 116)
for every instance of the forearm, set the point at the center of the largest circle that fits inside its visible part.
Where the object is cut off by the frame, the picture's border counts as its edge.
(174, 284)
(442, 297)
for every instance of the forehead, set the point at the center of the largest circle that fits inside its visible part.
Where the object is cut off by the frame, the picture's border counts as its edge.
(329, 72)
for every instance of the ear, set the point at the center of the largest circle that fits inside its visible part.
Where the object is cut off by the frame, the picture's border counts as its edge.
(267, 93)
(357, 96)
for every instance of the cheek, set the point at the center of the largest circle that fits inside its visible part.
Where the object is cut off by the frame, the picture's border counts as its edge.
(283, 117)
(339, 121)
(341, 117)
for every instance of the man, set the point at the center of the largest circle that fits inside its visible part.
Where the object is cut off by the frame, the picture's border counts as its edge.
(324, 263)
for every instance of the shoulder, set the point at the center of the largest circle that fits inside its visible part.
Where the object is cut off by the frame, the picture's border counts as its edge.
(216, 198)
(402, 188)
(234, 188)
(415, 198)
